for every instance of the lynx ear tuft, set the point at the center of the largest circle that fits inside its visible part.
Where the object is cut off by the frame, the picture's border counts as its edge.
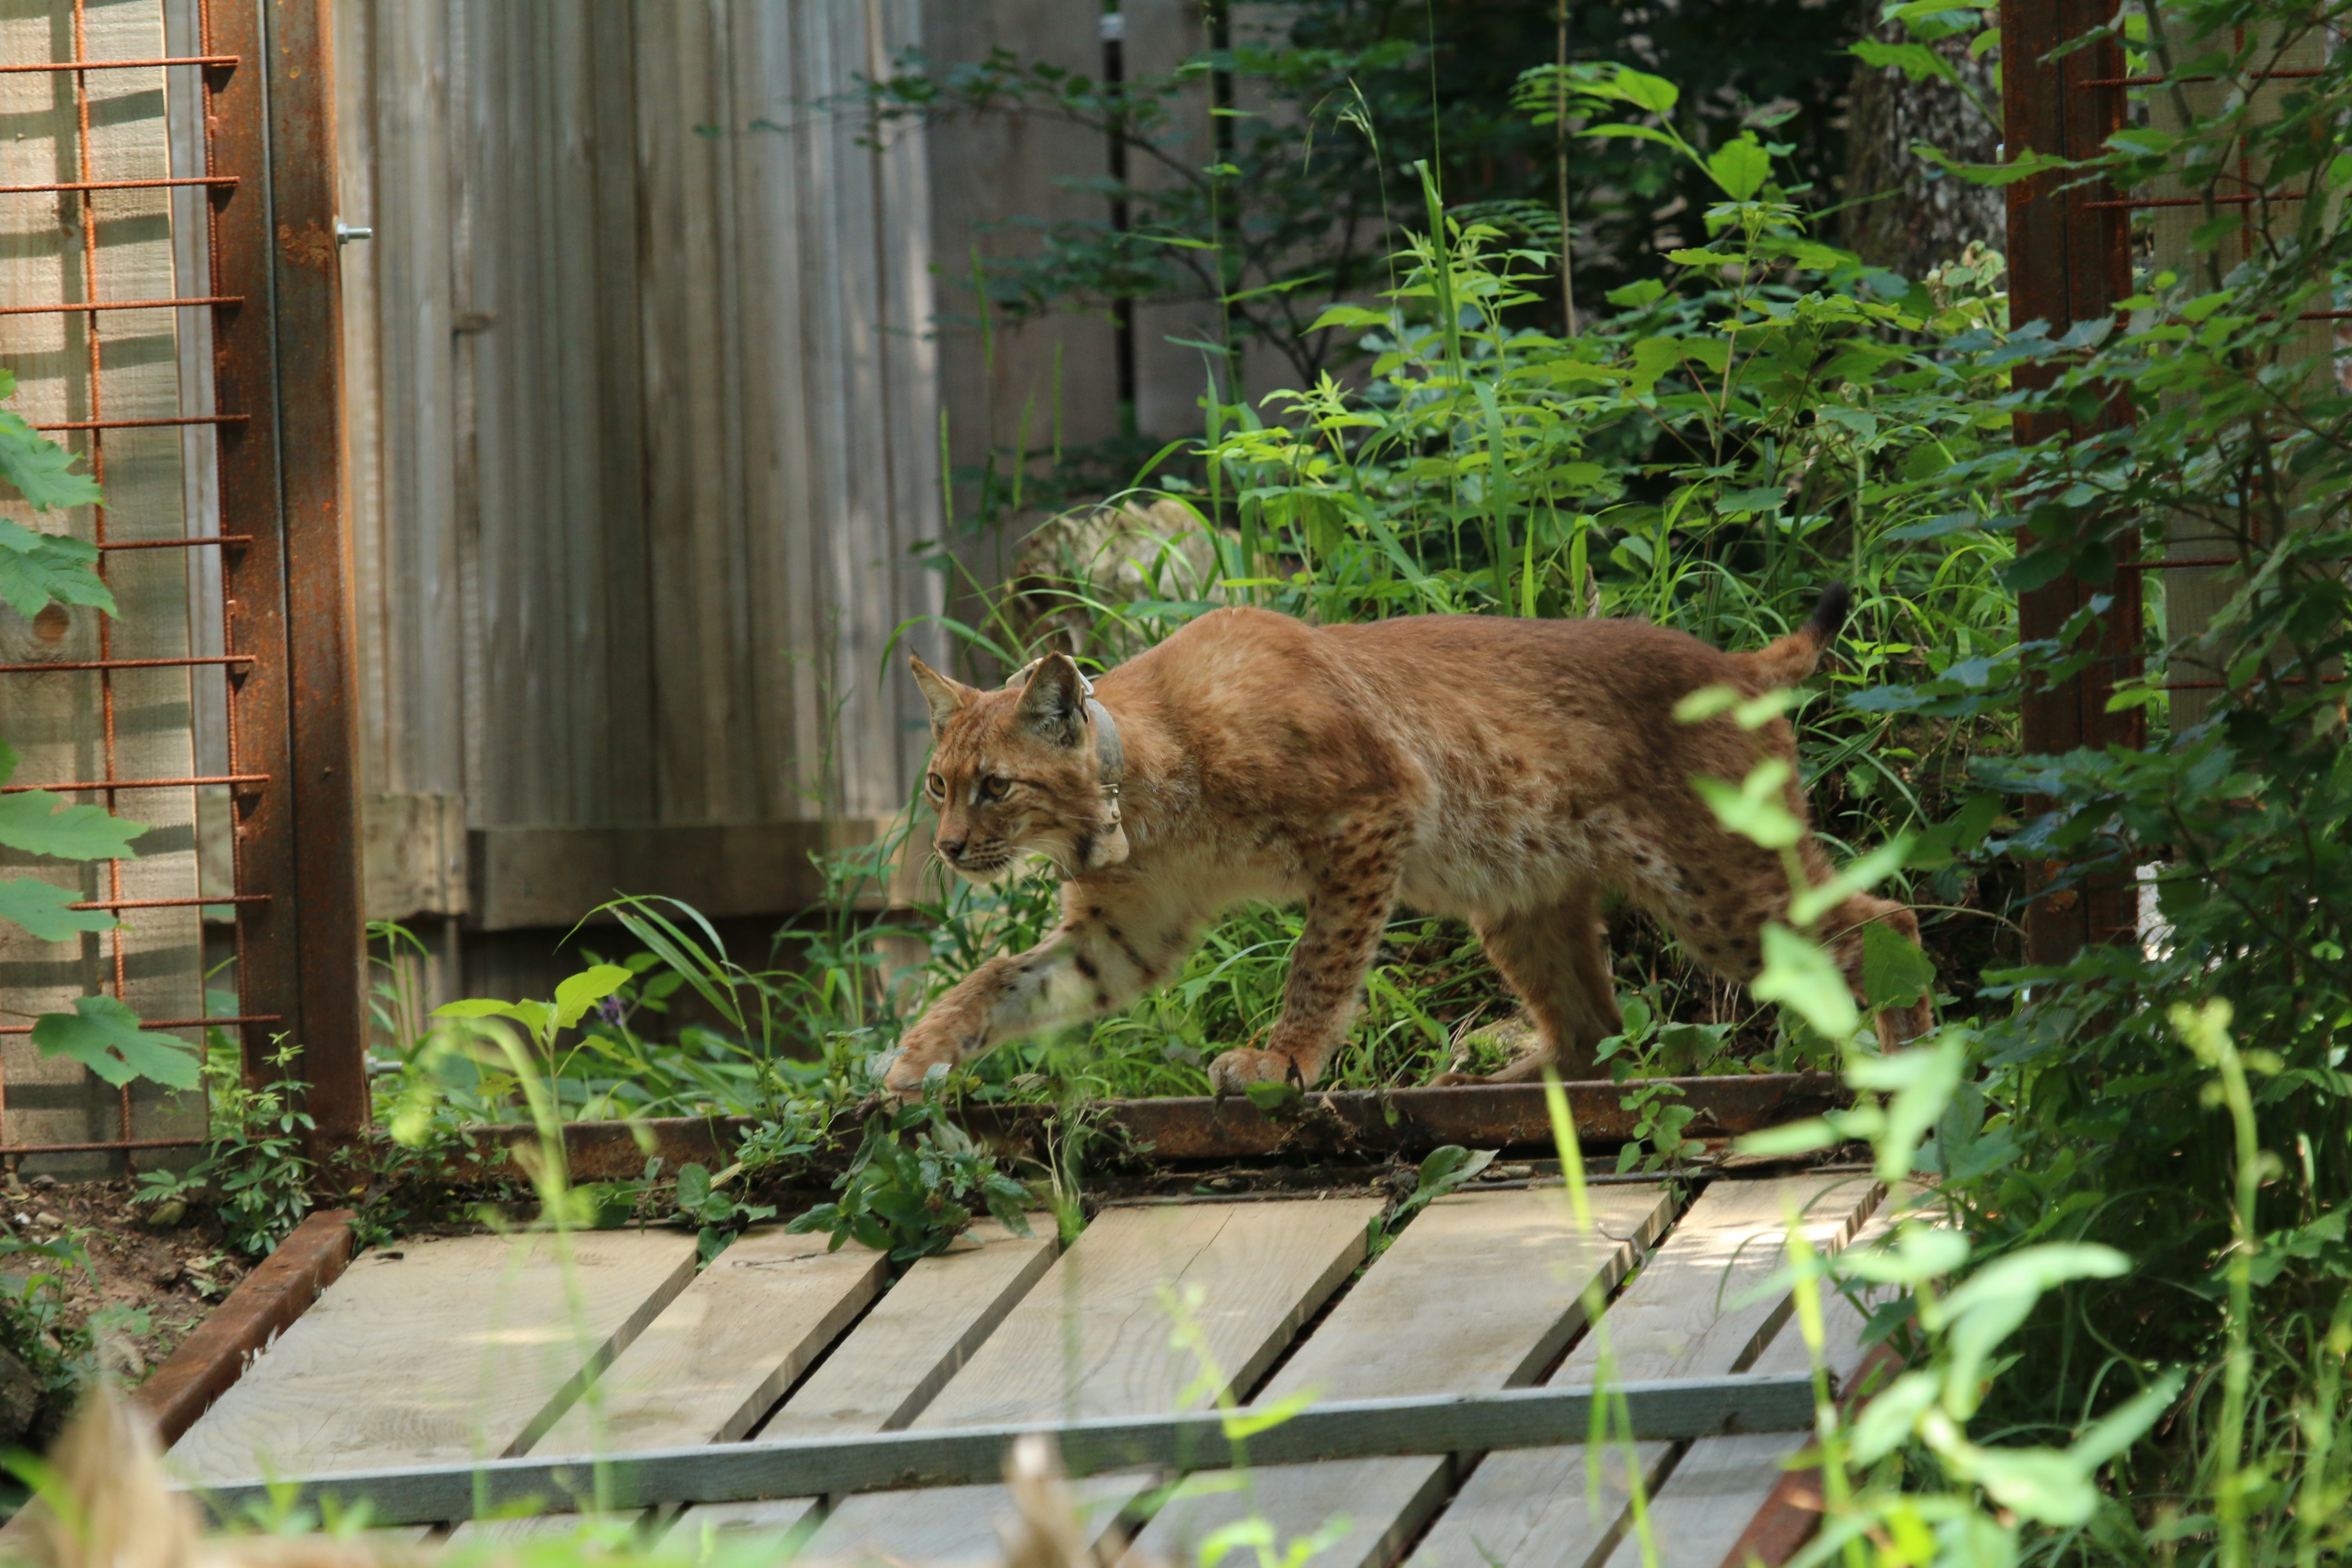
(1054, 704)
(948, 698)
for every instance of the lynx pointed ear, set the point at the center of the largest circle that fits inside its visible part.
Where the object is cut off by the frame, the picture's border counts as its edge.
(1053, 705)
(946, 697)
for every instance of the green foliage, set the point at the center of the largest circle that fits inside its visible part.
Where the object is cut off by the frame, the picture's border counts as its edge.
(253, 1171)
(45, 910)
(1290, 204)
(103, 1034)
(32, 823)
(39, 568)
(913, 1198)
(703, 1202)
(39, 468)
(1441, 1172)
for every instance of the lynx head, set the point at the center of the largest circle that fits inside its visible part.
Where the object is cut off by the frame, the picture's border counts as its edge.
(1019, 770)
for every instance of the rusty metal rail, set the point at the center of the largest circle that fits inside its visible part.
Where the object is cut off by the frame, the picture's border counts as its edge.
(1337, 1124)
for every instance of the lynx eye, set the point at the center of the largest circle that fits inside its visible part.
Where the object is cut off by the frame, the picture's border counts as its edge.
(993, 788)
(935, 786)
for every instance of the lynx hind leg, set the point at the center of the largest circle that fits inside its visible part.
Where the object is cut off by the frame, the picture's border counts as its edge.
(1556, 959)
(1719, 918)
(1844, 928)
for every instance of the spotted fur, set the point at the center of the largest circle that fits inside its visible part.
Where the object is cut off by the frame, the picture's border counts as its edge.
(1507, 772)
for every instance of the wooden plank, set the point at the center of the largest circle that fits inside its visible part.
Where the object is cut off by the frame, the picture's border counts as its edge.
(896, 1361)
(1480, 1292)
(265, 1303)
(716, 1359)
(952, 1458)
(1685, 1315)
(1719, 1483)
(1093, 1340)
(726, 1349)
(530, 876)
(438, 1351)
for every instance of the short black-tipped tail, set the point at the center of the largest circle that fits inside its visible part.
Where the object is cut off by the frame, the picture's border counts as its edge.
(1828, 616)
(1792, 658)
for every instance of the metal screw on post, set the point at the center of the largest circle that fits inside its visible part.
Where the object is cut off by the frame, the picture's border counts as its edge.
(345, 232)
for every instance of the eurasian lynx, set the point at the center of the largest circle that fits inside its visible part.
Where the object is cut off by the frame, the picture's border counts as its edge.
(1507, 772)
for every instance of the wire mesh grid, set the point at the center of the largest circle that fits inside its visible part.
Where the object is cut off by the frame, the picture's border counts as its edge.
(196, 73)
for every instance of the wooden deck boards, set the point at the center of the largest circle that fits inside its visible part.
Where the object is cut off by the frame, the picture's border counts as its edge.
(1095, 1338)
(1706, 1503)
(896, 1361)
(1688, 1312)
(714, 1360)
(1481, 1291)
(438, 1351)
(453, 1350)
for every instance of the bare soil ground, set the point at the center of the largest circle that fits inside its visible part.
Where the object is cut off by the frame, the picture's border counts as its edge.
(170, 1276)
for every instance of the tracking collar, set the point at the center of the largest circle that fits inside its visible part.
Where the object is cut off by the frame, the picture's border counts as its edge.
(1106, 846)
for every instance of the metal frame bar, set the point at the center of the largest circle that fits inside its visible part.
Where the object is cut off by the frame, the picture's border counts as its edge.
(1195, 1440)
(293, 714)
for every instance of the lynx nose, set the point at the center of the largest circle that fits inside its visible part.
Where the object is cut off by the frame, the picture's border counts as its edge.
(952, 848)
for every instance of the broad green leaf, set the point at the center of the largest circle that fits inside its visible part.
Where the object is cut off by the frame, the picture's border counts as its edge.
(531, 1016)
(1990, 1303)
(1852, 877)
(1795, 1138)
(1895, 972)
(1637, 296)
(1918, 1254)
(40, 908)
(1706, 703)
(31, 822)
(1801, 976)
(1886, 1423)
(1921, 1079)
(1241, 1425)
(1754, 810)
(1350, 316)
(2036, 1482)
(2124, 1424)
(1915, 61)
(1619, 129)
(104, 1036)
(36, 568)
(1272, 1097)
(1740, 167)
(1641, 89)
(574, 996)
(2025, 165)
(40, 468)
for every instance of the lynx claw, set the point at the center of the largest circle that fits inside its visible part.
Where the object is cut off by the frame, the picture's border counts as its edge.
(1245, 1065)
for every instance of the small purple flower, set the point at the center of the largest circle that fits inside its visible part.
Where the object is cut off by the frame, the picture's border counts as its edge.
(610, 1010)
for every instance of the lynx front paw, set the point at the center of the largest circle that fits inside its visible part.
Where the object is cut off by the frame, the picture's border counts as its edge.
(932, 1042)
(1245, 1065)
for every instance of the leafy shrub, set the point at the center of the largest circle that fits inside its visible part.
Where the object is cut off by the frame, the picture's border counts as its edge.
(911, 1198)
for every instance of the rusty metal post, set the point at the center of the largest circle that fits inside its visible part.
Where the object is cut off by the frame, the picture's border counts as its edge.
(302, 953)
(2069, 260)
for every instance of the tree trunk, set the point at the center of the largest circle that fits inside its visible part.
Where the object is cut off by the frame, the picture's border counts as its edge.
(1931, 217)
